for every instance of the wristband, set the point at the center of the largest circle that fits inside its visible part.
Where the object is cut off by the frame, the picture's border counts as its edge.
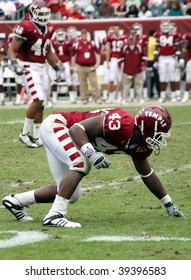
(14, 62)
(56, 68)
(87, 149)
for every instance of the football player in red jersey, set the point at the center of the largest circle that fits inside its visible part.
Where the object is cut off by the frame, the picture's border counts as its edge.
(103, 52)
(2, 52)
(142, 40)
(72, 34)
(114, 46)
(32, 43)
(168, 44)
(186, 53)
(76, 141)
(62, 46)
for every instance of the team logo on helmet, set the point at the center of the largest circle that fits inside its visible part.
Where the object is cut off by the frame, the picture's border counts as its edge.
(39, 12)
(154, 123)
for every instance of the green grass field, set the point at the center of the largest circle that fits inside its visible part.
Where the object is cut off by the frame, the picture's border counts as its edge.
(114, 202)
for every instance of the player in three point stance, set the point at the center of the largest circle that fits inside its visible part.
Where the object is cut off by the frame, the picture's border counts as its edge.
(74, 142)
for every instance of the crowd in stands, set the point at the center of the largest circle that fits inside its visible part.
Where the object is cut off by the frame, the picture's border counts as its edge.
(98, 9)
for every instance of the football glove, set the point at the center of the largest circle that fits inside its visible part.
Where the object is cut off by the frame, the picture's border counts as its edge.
(58, 74)
(181, 63)
(173, 211)
(18, 69)
(95, 158)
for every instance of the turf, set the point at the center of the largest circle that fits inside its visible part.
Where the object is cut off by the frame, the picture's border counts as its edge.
(114, 202)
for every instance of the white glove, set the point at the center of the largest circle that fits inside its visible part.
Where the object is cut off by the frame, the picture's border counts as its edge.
(181, 63)
(18, 69)
(96, 158)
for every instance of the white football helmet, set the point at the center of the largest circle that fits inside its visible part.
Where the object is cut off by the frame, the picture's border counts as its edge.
(138, 28)
(72, 33)
(165, 26)
(39, 12)
(60, 35)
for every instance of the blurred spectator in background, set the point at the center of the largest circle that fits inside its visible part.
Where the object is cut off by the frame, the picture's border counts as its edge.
(25, 3)
(55, 6)
(122, 9)
(85, 58)
(74, 13)
(106, 10)
(8, 8)
(114, 3)
(133, 12)
(144, 11)
(2, 15)
(175, 9)
(137, 3)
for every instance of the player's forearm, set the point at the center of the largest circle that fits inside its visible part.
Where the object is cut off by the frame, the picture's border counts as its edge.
(11, 54)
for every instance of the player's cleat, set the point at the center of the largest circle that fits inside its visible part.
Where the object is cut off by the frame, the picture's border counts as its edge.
(28, 140)
(38, 141)
(12, 204)
(2, 103)
(59, 220)
(173, 211)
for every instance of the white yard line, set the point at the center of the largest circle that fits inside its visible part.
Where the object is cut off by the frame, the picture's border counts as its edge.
(107, 238)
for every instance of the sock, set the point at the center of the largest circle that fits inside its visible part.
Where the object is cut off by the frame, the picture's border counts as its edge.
(36, 130)
(2, 96)
(167, 201)
(132, 93)
(54, 96)
(27, 125)
(105, 92)
(163, 94)
(145, 93)
(26, 198)
(75, 94)
(60, 205)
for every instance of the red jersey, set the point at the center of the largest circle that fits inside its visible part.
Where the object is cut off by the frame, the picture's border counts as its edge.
(62, 49)
(85, 52)
(54, 5)
(118, 127)
(116, 44)
(187, 37)
(167, 43)
(133, 59)
(36, 43)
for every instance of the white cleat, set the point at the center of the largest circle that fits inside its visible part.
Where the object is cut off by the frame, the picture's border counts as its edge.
(28, 140)
(59, 220)
(161, 100)
(12, 204)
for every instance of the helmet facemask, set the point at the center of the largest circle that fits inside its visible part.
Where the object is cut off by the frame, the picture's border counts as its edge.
(41, 16)
(158, 141)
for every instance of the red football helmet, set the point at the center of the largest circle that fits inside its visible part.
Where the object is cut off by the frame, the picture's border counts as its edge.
(154, 122)
(60, 34)
(39, 12)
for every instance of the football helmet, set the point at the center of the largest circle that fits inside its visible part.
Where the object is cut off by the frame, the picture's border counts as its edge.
(138, 28)
(154, 122)
(110, 30)
(39, 12)
(60, 35)
(72, 33)
(165, 26)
